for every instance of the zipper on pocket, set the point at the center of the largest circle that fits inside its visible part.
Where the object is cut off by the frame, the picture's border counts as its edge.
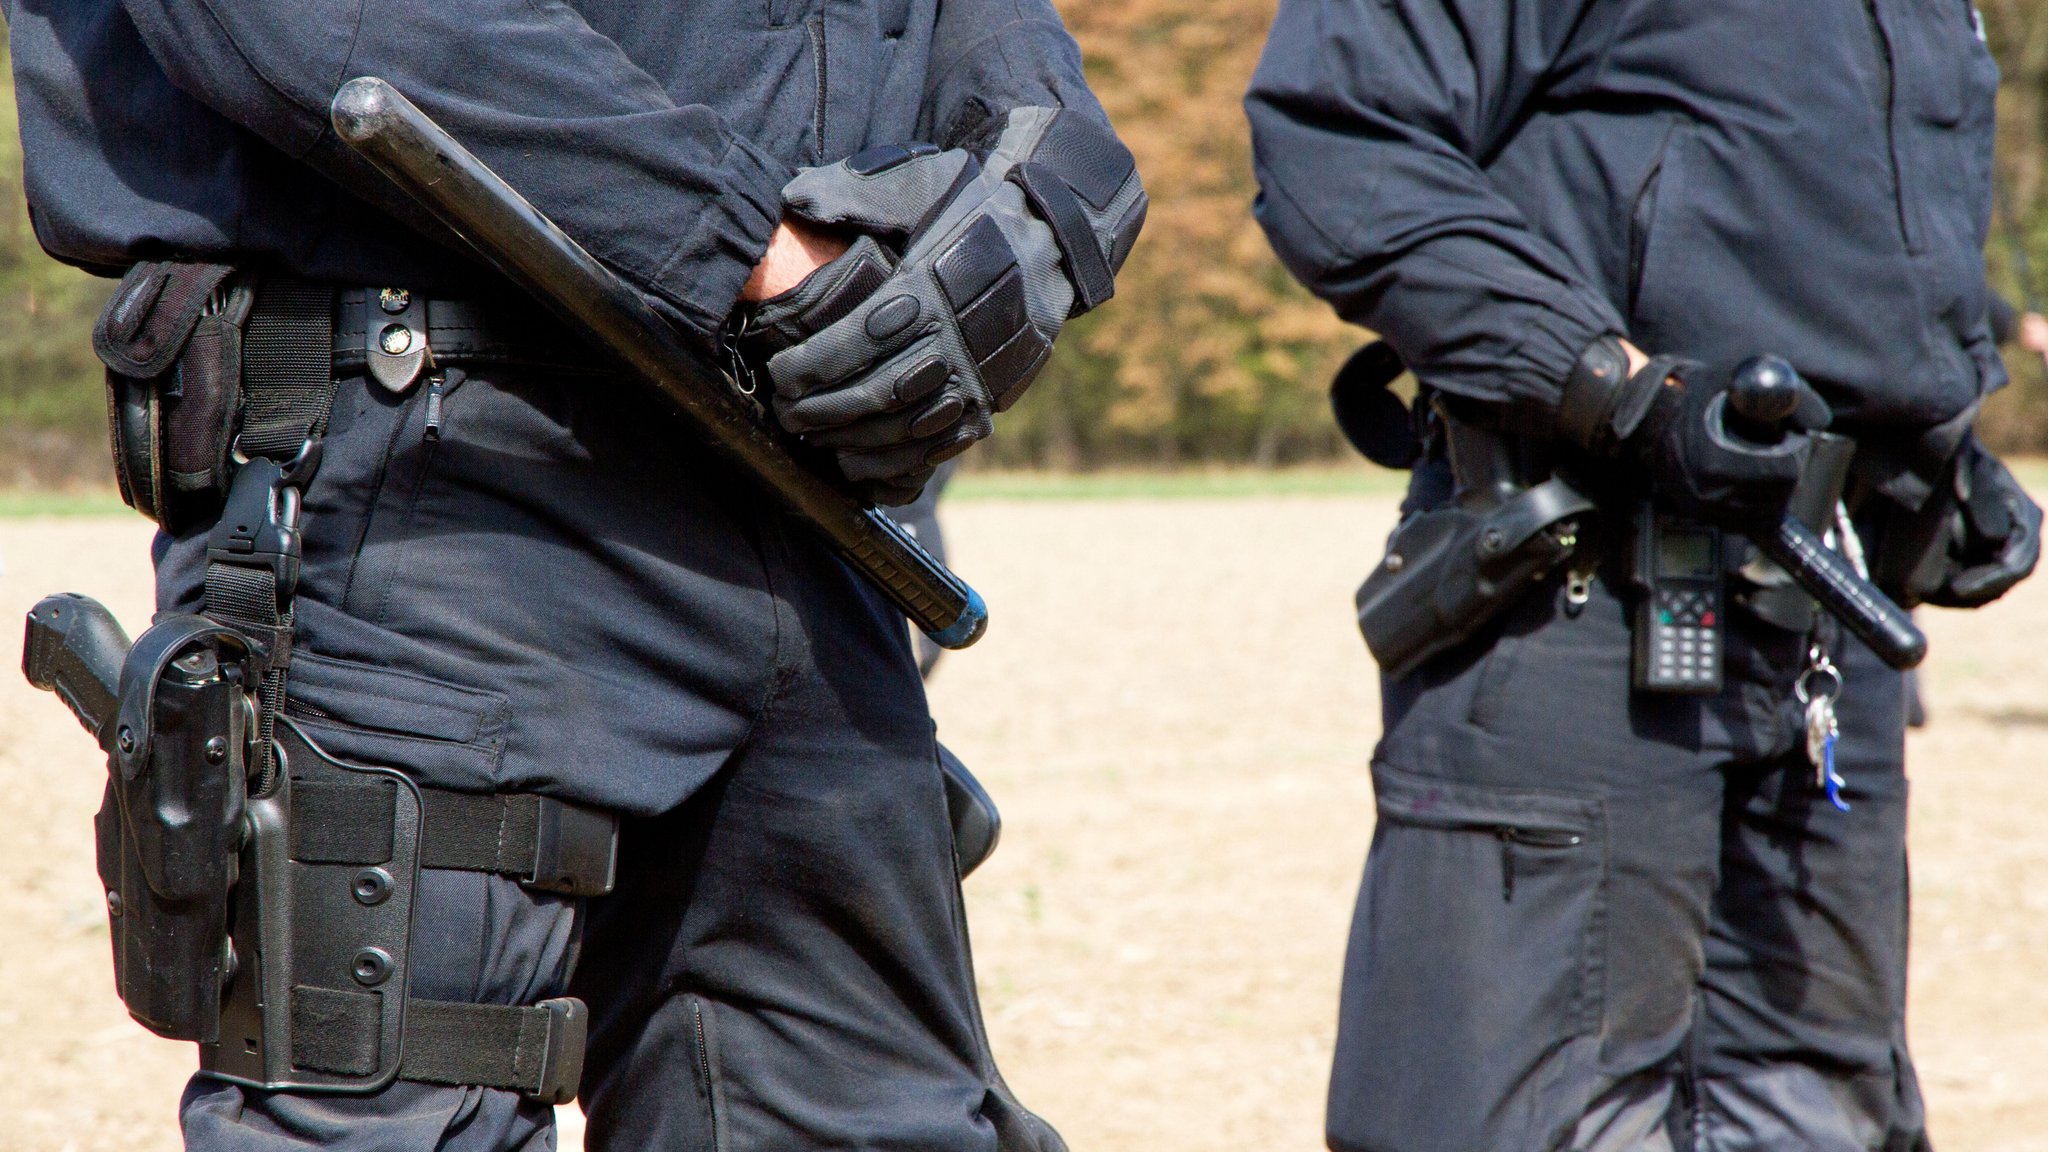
(1509, 836)
(816, 26)
(1640, 215)
(705, 1070)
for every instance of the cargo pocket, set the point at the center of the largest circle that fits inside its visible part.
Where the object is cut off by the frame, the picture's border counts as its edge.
(1473, 989)
(442, 734)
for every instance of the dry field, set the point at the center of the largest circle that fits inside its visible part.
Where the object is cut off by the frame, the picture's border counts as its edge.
(1174, 711)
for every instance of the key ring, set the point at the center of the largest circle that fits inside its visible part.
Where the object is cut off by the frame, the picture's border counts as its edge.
(1817, 664)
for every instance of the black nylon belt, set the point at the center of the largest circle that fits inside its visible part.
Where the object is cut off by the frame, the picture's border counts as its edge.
(537, 1051)
(465, 331)
(544, 843)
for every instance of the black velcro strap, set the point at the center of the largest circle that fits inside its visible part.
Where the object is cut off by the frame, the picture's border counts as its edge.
(334, 1030)
(537, 1050)
(287, 367)
(1060, 207)
(477, 832)
(337, 823)
(545, 843)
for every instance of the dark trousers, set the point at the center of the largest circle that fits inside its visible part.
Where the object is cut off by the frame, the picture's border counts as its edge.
(1601, 920)
(553, 595)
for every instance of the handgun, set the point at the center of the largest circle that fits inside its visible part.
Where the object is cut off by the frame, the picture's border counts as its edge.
(75, 648)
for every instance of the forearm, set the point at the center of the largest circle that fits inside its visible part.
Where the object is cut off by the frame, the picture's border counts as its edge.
(1368, 120)
(991, 56)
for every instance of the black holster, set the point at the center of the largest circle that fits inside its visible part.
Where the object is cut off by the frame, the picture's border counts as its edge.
(171, 824)
(1449, 571)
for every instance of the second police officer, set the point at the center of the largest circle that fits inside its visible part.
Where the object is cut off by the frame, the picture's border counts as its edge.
(1595, 915)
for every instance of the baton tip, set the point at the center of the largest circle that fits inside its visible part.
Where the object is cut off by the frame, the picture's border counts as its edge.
(363, 108)
(972, 622)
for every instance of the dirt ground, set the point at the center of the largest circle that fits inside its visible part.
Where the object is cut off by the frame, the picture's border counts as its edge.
(1174, 711)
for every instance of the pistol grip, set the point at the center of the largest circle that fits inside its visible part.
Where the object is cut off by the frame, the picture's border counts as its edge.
(75, 647)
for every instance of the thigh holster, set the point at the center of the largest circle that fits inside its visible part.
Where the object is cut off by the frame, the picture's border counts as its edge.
(261, 892)
(270, 922)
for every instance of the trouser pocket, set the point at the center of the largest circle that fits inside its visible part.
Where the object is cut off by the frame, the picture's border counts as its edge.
(1472, 991)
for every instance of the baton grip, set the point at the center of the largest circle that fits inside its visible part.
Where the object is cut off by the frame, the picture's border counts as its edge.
(1857, 603)
(428, 164)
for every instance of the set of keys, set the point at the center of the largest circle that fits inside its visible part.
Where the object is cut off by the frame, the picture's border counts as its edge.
(1818, 687)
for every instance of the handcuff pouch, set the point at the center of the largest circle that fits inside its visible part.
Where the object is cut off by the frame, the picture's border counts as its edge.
(171, 340)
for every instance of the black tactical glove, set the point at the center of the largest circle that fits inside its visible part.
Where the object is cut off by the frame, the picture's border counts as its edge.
(896, 355)
(1993, 538)
(1674, 424)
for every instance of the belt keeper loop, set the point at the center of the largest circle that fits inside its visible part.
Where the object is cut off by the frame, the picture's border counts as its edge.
(575, 849)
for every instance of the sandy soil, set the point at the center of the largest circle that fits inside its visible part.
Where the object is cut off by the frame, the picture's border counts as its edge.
(1175, 713)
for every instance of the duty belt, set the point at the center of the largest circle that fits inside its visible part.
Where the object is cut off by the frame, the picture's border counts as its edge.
(389, 331)
(302, 335)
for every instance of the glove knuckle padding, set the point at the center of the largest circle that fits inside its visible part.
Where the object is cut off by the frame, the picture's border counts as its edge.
(982, 281)
(1996, 539)
(900, 363)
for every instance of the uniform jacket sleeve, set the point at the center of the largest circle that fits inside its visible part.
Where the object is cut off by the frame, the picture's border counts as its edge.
(989, 56)
(661, 191)
(1371, 121)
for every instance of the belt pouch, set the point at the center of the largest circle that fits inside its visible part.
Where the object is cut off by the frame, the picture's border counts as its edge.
(171, 340)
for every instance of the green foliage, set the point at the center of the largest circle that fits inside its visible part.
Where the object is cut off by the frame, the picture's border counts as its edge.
(52, 405)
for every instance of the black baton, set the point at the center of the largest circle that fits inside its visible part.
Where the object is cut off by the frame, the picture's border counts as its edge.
(1763, 395)
(426, 162)
(1856, 602)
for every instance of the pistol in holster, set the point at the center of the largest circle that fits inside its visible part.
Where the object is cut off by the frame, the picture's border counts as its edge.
(260, 892)
(1451, 569)
(174, 717)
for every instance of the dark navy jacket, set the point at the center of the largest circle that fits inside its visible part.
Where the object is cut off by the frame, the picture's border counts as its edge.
(1492, 184)
(656, 132)
(557, 594)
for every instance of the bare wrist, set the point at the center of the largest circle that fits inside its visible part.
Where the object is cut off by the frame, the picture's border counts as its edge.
(795, 250)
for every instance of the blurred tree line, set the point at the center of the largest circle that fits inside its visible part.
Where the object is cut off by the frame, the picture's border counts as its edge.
(1210, 351)
(53, 408)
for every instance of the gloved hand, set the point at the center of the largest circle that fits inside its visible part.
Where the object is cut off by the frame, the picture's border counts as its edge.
(1994, 533)
(1674, 423)
(896, 355)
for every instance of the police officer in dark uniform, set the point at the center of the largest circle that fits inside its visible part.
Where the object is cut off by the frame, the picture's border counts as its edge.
(523, 585)
(1598, 914)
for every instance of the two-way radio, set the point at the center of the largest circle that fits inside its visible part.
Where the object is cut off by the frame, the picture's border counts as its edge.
(1680, 613)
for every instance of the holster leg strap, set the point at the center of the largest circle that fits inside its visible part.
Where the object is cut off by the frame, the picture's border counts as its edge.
(548, 844)
(544, 843)
(537, 1051)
